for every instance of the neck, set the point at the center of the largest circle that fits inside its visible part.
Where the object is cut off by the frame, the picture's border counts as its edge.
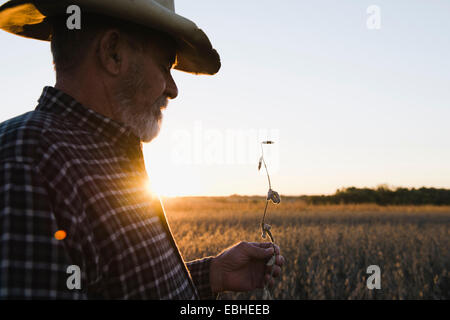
(91, 91)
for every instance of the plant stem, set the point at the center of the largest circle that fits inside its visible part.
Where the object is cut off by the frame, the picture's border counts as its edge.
(265, 166)
(266, 287)
(264, 216)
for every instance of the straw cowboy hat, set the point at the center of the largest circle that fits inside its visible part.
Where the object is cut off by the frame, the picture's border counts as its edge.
(29, 18)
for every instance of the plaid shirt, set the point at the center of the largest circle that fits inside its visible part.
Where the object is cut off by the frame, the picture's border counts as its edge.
(65, 167)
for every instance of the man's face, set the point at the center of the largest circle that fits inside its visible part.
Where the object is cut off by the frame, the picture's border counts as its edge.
(146, 86)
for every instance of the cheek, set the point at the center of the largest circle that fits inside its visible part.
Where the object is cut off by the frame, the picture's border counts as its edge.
(154, 84)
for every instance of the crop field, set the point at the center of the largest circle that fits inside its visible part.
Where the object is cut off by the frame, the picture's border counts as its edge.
(328, 247)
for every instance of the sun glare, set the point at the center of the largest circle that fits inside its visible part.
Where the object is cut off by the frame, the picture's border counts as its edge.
(168, 179)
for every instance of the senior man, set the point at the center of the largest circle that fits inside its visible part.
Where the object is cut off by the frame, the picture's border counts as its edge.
(74, 165)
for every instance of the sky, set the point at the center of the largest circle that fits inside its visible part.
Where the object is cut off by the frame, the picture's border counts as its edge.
(350, 96)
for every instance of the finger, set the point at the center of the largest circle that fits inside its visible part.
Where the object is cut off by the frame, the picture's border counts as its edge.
(280, 261)
(261, 244)
(276, 271)
(266, 245)
(256, 252)
(277, 249)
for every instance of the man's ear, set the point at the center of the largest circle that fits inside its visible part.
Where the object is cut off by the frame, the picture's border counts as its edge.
(110, 51)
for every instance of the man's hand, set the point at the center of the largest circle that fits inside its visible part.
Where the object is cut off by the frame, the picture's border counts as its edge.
(243, 267)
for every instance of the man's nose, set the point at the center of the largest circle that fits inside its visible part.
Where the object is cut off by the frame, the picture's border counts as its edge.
(171, 88)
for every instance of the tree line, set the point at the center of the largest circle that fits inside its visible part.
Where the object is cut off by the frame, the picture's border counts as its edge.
(383, 195)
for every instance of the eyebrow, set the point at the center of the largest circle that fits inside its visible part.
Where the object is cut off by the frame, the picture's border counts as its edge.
(173, 52)
(173, 59)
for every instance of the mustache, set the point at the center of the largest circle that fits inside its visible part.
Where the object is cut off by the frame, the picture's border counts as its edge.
(161, 103)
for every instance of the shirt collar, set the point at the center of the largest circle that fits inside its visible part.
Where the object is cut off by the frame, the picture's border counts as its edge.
(55, 101)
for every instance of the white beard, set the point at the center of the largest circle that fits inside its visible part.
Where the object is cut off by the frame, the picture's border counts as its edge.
(144, 121)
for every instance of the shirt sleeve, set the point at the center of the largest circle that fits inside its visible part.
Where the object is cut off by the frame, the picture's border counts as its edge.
(33, 263)
(199, 270)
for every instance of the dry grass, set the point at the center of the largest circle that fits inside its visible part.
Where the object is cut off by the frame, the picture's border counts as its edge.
(327, 248)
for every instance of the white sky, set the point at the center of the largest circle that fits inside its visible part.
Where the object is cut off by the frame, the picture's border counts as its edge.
(346, 105)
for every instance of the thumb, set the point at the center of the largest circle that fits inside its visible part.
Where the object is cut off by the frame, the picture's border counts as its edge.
(258, 252)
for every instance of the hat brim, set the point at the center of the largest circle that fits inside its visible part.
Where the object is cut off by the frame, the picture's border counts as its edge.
(195, 53)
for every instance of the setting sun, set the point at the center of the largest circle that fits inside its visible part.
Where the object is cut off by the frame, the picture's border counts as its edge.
(168, 179)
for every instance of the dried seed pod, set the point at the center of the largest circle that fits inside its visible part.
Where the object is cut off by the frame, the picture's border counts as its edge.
(269, 194)
(265, 229)
(268, 142)
(260, 162)
(274, 196)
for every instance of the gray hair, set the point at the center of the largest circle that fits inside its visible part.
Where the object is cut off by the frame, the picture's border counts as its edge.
(69, 47)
